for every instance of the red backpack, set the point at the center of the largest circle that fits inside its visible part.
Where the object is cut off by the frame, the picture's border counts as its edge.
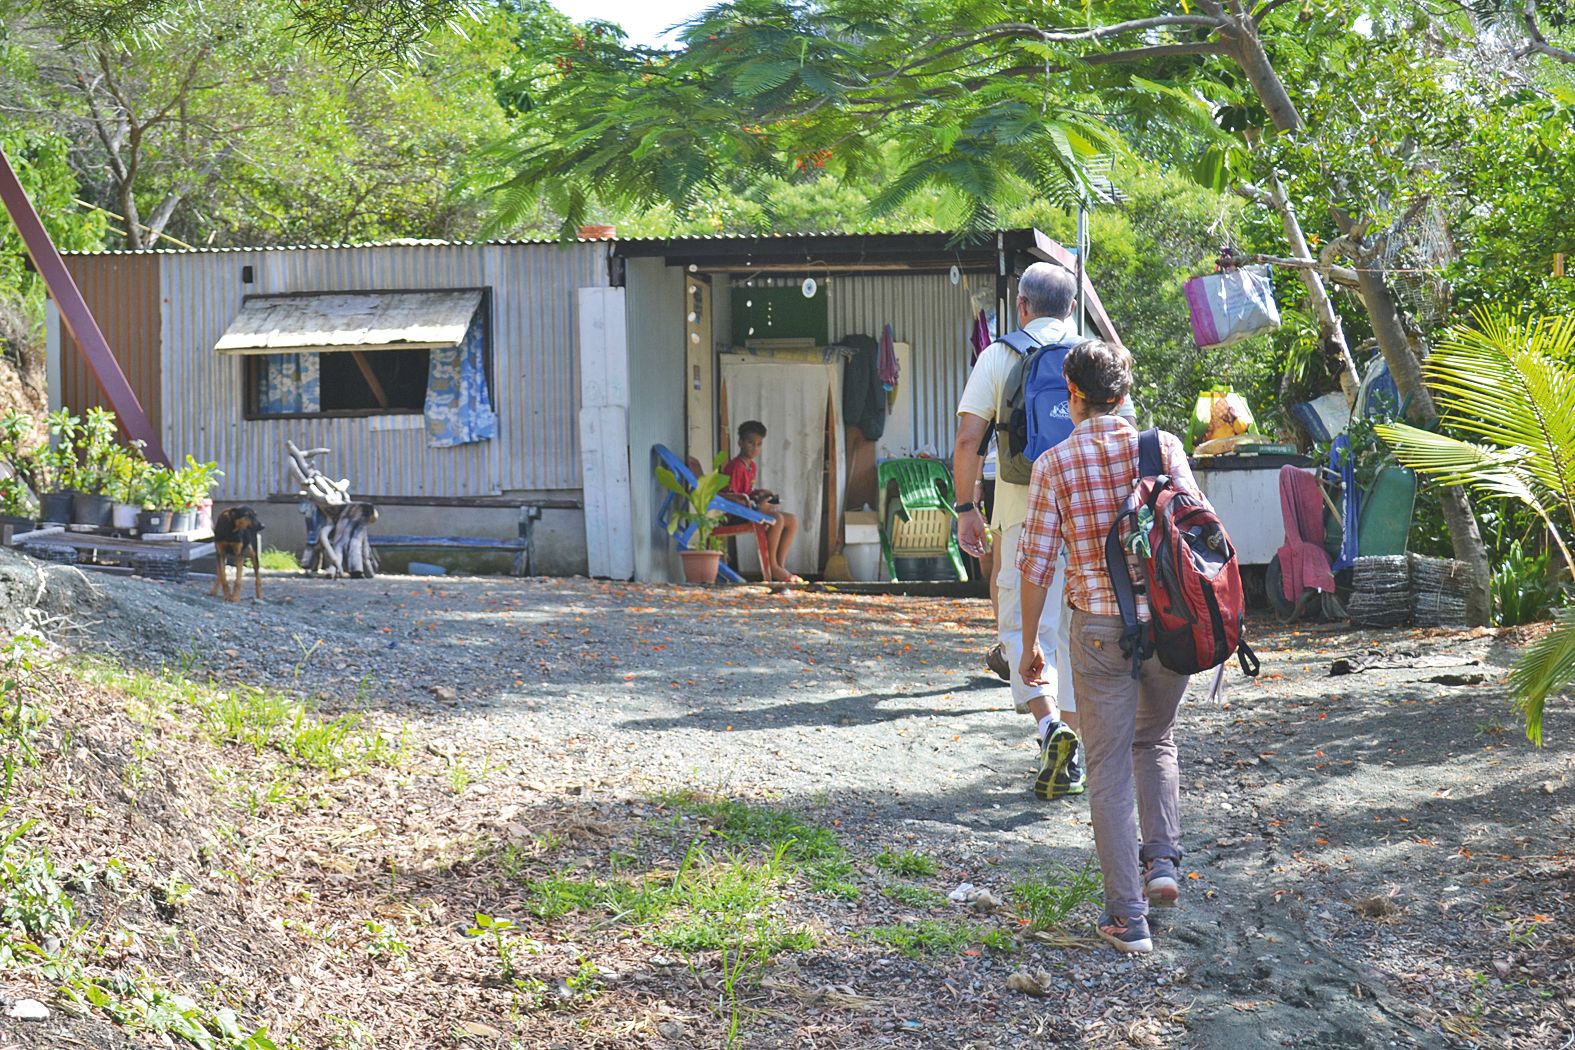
(1188, 570)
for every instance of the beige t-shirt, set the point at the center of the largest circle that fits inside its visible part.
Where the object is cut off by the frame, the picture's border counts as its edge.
(982, 397)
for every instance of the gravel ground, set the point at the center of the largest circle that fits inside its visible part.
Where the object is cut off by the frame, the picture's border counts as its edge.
(1375, 859)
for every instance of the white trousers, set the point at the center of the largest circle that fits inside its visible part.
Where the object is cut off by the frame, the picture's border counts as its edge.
(1055, 627)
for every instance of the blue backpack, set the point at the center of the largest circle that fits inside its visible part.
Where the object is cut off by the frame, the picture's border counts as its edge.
(1035, 406)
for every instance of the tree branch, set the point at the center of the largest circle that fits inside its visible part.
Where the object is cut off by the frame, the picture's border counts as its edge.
(1539, 43)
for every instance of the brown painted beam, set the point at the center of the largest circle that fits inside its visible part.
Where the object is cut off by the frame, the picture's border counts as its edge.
(371, 379)
(76, 316)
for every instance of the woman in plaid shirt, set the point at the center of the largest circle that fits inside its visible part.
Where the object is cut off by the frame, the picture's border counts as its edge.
(1076, 492)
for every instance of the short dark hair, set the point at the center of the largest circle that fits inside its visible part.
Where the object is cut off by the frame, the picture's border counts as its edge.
(1101, 370)
(751, 426)
(1047, 290)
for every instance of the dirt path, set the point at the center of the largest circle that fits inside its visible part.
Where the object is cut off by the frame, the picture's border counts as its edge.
(1376, 860)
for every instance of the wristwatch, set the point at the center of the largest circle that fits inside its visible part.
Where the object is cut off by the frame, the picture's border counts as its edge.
(962, 508)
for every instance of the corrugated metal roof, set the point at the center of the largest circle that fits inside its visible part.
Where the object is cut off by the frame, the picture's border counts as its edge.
(416, 242)
(302, 323)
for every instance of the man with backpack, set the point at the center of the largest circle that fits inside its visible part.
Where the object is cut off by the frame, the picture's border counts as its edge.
(1016, 391)
(1079, 491)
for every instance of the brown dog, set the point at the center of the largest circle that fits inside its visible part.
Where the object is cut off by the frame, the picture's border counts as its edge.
(235, 535)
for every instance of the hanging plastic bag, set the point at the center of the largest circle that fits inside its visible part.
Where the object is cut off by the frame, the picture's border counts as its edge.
(1219, 413)
(1231, 306)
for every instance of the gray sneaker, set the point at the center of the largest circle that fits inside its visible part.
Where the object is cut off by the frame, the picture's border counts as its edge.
(1161, 883)
(1126, 934)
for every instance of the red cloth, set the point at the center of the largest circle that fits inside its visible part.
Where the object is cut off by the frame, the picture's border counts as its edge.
(740, 475)
(1304, 564)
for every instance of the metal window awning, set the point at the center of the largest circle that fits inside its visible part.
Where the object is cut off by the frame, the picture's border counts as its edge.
(350, 321)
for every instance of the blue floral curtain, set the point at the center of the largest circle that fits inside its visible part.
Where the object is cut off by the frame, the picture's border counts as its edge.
(459, 405)
(289, 383)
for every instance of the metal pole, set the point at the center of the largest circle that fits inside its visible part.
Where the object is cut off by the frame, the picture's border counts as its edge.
(1082, 254)
(76, 317)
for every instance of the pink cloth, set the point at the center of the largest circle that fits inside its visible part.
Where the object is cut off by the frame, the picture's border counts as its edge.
(1304, 563)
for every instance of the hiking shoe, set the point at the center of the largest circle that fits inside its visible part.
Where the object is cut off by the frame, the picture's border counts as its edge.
(1073, 778)
(1161, 886)
(1126, 935)
(995, 660)
(1055, 751)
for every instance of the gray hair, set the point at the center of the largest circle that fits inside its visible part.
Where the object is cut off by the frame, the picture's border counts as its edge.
(1047, 290)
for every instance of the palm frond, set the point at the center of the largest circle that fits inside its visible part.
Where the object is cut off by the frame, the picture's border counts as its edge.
(1545, 668)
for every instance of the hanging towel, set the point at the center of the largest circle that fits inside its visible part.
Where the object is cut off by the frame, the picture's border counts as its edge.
(980, 337)
(1304, 564)
(889, 369)
(863, 394)
(459, 405)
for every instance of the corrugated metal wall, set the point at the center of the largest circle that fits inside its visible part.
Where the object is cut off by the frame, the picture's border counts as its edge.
(535, 368)
(122, 291)
(928, 312)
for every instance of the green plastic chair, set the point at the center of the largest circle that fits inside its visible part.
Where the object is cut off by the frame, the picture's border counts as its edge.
(1384, 525)
(916, 515)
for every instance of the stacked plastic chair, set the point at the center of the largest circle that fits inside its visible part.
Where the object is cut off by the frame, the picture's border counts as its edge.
(916, 513)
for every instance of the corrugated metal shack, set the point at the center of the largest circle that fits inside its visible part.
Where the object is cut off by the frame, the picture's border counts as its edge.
(592, 351)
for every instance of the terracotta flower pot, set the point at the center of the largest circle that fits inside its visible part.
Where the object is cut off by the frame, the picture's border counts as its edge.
(700, 566)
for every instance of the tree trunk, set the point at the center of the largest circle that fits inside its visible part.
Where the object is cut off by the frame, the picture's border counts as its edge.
(1331, 333)
(1421, 411)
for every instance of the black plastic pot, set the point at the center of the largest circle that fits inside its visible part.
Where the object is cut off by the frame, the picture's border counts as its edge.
(55, 506)
(17, 524)
(90, 509)
(183, 520)
(154, 521)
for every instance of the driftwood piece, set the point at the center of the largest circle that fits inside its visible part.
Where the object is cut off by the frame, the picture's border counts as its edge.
(344, 543)
(1397, 660)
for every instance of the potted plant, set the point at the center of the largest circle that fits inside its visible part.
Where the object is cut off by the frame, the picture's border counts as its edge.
(128, 474)
(191, 486)
(57, 467)
(693, 508)
(91, 455)
(158, 499)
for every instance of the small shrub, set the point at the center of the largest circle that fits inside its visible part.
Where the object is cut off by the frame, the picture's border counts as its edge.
(1045, 903)
(32, 896)
(934, 937)
(915, 896)
(1522, 592)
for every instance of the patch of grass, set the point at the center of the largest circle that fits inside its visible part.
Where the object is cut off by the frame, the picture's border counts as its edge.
(907, 863)
(915, 896)
(935, 937)
(833, 878)
(1046, 903)
(261, 719)
(626, 900)
(746, 824)
(273, 558)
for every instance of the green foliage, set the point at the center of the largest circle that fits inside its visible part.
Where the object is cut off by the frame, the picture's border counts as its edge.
(32, 896)
(742, 823)
(915, 896)
(1045, 903)
(1523, 591)
(1509, 384)
(22, 713)
(502, 934)
(41, 157)
(936, 937)
(906, 863)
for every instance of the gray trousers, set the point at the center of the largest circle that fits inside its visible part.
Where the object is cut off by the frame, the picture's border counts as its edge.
(1128, 735)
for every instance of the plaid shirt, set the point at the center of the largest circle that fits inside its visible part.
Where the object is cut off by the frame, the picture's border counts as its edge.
(1076, 491)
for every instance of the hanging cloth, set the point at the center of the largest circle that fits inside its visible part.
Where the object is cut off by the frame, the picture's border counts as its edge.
(863, 394)
(459, 405)
(289, 383)
(979, 337)
(888, 370)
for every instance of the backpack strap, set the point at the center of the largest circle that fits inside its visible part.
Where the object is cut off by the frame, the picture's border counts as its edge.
(1021, 341)
(1151, 455)
(1132, 634)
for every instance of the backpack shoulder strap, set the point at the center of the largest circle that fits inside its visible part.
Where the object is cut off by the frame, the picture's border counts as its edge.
(1151, 456)
(1020, 341)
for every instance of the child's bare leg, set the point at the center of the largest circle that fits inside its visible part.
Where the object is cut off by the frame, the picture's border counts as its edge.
(785, 529)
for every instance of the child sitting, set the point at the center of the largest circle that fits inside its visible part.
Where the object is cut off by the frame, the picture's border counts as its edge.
(741, 472)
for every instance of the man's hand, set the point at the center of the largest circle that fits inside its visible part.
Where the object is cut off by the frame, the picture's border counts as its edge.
(1032, 669)
(970, 532)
